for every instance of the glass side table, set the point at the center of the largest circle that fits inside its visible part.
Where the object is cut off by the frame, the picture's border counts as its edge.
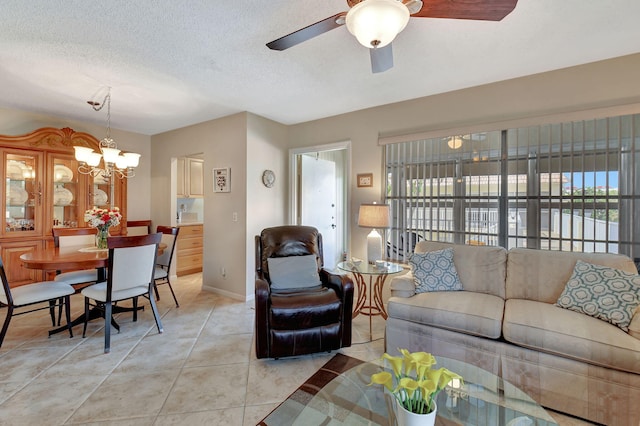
(374, 305)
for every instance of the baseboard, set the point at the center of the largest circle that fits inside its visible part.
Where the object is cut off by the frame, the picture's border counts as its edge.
(234, 296)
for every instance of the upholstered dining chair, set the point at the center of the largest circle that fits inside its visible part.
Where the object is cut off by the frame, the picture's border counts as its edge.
(66, 237)
(162, 272)
(301, 307)
(53, 292)
(138, 227)
(131, 266)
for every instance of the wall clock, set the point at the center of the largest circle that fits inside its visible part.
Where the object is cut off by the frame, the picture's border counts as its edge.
(268, 178)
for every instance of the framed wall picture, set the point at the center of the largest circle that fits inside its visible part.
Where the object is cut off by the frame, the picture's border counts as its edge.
(365, 179)
(222, 179)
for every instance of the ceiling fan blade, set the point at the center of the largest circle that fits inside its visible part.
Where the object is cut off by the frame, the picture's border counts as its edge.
(381, 58)
(308, 32)
(482, 10)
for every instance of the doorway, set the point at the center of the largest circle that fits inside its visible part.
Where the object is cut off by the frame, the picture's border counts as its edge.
(320, 195)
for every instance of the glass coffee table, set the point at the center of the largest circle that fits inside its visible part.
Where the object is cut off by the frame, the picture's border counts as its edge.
(484, 399)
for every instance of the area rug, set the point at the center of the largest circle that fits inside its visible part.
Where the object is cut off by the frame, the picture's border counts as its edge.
(333, 368)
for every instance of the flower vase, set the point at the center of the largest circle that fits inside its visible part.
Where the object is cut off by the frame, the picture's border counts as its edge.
(405, 417)
(101, 238)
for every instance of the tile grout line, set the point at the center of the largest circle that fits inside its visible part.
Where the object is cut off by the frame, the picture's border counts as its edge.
(181, 369)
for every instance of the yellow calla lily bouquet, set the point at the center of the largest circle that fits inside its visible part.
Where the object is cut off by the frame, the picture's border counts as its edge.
(416, 383)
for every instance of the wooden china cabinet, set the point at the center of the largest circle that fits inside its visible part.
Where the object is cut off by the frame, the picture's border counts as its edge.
(43, 189)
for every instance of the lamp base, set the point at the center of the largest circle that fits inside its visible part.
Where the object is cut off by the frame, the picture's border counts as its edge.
(374, 247)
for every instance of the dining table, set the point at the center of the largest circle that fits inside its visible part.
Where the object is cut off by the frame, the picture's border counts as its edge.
(72, 258)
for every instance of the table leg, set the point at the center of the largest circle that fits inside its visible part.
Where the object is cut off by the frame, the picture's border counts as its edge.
(374, 305)
(95, 313)
(377, 295)
(362, 294)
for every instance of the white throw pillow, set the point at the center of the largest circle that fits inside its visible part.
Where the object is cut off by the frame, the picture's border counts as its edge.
(605, 293)
(435, 271)
(293, 272)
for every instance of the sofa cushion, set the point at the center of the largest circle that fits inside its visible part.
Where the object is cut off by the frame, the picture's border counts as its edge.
(435, 271)
(481, 269)
(541, 275)
(293, 272)
(605, 293)
(477, 314)
(548, 328)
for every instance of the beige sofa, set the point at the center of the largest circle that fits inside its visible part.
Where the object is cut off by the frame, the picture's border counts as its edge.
(505, 321)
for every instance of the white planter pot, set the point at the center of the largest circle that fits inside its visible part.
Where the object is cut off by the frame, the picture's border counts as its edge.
(407, 418)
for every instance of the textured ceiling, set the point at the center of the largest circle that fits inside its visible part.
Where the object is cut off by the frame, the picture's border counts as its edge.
(173, 63)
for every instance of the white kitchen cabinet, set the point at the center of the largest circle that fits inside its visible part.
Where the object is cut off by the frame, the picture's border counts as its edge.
(190, 182)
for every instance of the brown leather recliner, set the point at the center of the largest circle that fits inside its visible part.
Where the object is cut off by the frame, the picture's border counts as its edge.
(299, 321)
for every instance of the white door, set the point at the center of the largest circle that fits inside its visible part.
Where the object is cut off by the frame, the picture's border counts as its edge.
(318, 207)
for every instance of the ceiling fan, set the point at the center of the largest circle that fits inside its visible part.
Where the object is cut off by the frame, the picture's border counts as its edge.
(375, 23)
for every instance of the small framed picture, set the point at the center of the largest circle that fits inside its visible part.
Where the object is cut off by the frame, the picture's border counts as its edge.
(222, 179)
(365, 179)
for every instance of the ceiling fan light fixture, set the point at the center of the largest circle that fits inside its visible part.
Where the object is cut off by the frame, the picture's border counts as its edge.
(375, 23)
(455, 142)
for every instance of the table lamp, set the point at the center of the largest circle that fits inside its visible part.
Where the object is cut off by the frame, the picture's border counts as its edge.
(374, 216)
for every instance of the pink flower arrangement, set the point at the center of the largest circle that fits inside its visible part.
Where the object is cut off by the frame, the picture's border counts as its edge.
(102, 218)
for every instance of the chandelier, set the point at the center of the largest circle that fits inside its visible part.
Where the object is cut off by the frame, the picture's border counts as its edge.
(116, 162)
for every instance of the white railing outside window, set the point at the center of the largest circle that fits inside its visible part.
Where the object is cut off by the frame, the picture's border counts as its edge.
(569, 186)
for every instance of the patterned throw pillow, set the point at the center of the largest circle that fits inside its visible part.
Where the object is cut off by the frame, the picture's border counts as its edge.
(435, 271)
(605, 293)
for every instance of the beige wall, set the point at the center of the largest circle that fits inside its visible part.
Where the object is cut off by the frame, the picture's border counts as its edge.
(548, 95)
(250, 144)
(16, 122)
(266, 149)
(223, 144)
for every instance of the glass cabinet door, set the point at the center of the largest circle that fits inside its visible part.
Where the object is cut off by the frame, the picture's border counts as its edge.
(68, 196)
(107, 193)
(102, 192)
(23, 197)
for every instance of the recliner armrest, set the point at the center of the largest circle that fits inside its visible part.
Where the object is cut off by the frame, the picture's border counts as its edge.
(262, 292)
(342, 284)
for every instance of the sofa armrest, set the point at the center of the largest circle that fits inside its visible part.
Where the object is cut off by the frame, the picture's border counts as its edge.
(403, 286)
(634, 326)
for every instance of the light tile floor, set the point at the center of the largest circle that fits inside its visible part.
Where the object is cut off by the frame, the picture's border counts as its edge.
(201, 371)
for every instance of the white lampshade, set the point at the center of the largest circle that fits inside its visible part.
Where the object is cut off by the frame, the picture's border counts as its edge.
(110, 154)
(94, 159)
(375, 23)
(121, 162)
(133, 159)
(374, 216)
(82, 153)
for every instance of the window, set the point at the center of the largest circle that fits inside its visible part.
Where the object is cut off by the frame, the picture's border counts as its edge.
(567, 186)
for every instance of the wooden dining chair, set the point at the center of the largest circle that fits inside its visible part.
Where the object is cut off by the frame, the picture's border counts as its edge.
(53, 292)
(131, 267)
(163, 262)
(138, 227)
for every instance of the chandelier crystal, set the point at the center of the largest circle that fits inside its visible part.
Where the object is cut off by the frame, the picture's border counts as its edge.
(116, 162)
